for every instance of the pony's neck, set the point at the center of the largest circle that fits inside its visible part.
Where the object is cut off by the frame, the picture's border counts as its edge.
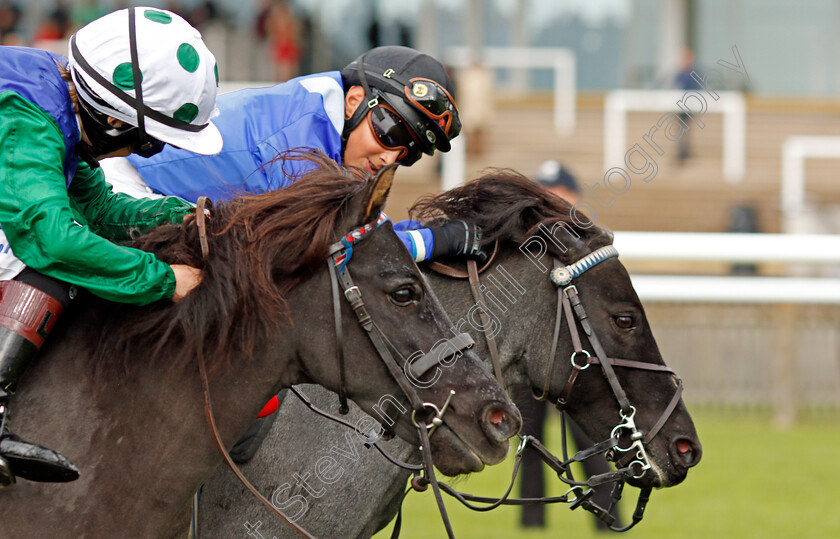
(140, 439)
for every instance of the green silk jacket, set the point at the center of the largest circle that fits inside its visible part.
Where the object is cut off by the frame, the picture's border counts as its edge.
(68, 232)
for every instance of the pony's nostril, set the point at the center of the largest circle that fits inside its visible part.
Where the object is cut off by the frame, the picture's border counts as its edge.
(498, 423)
(688, 452)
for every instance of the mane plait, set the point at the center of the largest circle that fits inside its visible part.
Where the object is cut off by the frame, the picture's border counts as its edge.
(260, 248)
(507, 206)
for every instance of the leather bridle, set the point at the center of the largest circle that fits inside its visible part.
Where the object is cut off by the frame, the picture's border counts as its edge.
(339, 255)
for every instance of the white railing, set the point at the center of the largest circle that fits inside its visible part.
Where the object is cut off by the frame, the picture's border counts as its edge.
(731, 104)
(562, 61)
(736, 249)
(795, 150)
(783, 300)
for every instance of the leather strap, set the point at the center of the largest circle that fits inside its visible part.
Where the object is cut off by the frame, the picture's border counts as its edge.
(343, 408)
(202, 207)
(456, 273)
(440, 352)
(475, 286)
(208, 414)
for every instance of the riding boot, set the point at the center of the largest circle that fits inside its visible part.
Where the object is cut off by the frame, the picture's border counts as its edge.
(26, 317)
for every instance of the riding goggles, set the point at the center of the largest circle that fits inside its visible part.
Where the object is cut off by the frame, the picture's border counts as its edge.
(393, 134)
(433, 100)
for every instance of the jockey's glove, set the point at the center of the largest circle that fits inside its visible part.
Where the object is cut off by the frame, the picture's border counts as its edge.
(457, 238)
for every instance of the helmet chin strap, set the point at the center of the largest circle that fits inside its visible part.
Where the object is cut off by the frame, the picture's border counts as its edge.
(361, 111)
(103, 138)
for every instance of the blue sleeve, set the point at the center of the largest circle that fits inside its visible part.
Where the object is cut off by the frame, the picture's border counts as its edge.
(417, 240)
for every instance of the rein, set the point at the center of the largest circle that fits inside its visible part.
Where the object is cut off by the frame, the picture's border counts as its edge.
(200, 221)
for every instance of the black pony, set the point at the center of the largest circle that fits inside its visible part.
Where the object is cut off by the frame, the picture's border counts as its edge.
(118, 387)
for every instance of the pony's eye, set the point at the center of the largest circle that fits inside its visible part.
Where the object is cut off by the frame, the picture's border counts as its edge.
(624, 322)
(405, 295)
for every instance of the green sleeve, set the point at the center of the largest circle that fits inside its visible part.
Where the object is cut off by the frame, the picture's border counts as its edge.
(116, 215)
(43, 227)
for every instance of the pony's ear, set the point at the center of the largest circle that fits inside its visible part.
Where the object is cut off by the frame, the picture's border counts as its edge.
(376, 192)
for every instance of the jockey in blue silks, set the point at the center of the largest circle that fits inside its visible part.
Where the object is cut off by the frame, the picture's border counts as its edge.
(390, 105)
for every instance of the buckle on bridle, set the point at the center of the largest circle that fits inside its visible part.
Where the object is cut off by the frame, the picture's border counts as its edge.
(353, 295)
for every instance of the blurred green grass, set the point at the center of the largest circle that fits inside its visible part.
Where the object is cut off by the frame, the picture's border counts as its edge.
(754, 481)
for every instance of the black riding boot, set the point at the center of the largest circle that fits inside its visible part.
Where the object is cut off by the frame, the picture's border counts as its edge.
(26, 317)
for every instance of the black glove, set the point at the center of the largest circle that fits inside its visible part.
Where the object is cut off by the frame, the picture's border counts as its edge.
(458, 238)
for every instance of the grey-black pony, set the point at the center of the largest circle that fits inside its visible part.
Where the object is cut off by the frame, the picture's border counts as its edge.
(521, 302)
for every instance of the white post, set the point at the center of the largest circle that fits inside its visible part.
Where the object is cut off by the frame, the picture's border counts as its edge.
(734, 138)
(562, 61)
(794, 151)
(453, 164)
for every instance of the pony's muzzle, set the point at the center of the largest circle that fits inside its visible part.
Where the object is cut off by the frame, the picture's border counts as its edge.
(500, 422)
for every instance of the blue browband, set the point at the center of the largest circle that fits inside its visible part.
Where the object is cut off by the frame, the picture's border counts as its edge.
(564, 274)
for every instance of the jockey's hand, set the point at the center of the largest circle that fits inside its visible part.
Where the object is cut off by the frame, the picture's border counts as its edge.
(186, 278)
(458, 238)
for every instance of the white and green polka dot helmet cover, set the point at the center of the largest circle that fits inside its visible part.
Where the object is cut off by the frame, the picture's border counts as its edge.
(178, 75)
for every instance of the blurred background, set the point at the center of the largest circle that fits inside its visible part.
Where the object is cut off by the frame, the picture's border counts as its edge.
(722, 187)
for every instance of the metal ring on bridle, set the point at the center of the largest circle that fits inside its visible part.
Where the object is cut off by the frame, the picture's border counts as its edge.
(642, 468)
(437, 420)
(586, 361)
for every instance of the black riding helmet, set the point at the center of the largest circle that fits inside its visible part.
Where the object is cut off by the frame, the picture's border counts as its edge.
(415, 85)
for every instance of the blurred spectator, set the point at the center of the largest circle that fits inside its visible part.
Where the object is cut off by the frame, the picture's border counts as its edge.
(742, 219)
(557, 179)
(475, 101)
(9, 22)
(175, 7)
(203, 14)
(56, 26)
(374, 32)
(278, 24)
(684, 81)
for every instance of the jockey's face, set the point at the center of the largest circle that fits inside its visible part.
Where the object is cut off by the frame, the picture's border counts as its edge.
(363, 149)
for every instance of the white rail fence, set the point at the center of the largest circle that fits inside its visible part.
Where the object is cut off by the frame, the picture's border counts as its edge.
(562, 61)
(694, 103)
(745, 339)
(795, 149)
